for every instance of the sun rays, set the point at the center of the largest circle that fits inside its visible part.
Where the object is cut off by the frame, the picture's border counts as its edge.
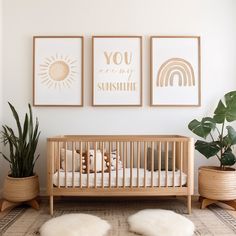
(58, 71)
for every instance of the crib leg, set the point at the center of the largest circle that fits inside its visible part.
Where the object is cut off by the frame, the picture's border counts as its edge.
(189, 203)
(51, 205)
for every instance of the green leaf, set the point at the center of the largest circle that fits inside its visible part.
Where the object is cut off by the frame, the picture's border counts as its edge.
(208, 149)
(228, 158)
(226, 141)
(30, 122)
(230, 99)
(25, 129)
(202, 128)
(15, 114)
(226, 108)
(231, 135)
(220, 113)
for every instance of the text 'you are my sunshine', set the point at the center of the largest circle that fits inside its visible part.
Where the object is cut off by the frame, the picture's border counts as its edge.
(117, 73)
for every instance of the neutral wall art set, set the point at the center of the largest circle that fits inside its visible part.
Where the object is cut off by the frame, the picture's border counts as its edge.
(117, 70)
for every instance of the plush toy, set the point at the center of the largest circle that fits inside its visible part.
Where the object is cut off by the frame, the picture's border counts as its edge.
(111, 160)
(84, 161)
(88, 162)
(107, 162)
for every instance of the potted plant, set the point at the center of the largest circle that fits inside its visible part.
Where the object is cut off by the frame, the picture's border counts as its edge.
(217, 183)
(22, 184)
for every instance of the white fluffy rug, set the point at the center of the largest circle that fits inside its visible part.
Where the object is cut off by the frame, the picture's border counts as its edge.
(160, 222)
(75, 225)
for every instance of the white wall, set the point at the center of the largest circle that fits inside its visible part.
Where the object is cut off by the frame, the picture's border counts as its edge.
(1, 95)
(213, 20)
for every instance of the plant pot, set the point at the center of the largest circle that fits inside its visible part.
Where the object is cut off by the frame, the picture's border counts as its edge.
(20, 189)
(217, 184)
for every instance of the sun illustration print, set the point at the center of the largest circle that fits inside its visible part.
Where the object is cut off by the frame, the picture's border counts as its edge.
(58, 71)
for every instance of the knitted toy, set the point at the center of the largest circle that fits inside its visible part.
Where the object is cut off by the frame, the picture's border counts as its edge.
(88, 162)
(111, 160)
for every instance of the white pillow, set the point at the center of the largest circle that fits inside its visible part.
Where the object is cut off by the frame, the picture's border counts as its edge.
(67, 154)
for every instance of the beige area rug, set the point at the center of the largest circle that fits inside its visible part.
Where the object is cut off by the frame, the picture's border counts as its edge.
(26, 221)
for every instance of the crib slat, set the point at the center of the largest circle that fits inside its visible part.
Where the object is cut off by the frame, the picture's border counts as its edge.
(152, 166)
(131, 163)
(121, 156)
(65, 162)
(138, 164)
(52, 163)
(159, 164)
(126, 154)
(103, 155)
(117, 158)
(188, 160)
(181, 162)
(173, 164)
(124, 163)
(59, 163)
(145, 163)
(166, 161)
(110, 147)
(95, 165)
(73, 164)
(81, 163)
(88, 162)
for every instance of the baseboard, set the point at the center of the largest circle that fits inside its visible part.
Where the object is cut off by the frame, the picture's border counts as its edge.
(43, 192)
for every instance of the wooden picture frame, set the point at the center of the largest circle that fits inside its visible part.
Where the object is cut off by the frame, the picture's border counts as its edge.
(175, 71)
(58, 75)
(117, 71)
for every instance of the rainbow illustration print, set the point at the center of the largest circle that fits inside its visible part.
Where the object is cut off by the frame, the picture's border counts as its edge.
(175, 68)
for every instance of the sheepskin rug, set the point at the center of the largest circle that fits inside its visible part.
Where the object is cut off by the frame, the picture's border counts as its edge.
(75, 225)
(154, 222)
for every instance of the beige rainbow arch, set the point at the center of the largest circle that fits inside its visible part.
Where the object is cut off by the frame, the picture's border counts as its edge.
(175, 68)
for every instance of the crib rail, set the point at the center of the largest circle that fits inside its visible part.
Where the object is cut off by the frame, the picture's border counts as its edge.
(145, 165)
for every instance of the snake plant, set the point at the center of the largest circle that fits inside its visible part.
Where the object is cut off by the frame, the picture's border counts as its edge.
(219, 139)
(22, 144)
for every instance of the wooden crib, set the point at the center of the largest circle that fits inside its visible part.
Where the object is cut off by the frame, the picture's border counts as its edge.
(120, 165)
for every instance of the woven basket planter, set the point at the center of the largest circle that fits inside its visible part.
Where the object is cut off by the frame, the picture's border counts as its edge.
(217, 184)
(20, 189)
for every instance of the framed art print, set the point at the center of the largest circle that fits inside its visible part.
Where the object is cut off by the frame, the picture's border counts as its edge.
(175, 71)
(117, 70)
(58, 71)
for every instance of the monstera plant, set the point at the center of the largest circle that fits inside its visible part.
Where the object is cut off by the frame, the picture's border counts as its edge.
(219, 137)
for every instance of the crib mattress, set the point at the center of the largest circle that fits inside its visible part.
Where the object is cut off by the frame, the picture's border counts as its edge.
(62, 180)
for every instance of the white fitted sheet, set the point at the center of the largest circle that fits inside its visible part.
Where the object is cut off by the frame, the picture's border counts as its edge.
(69, 178)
